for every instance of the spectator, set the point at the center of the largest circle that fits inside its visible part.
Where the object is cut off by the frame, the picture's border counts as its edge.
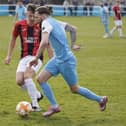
(42, 2)
(36, 2)
(66, 6)
(85, 8)
(25, 2)
(90, 4)
(75, 4)
(11, 7)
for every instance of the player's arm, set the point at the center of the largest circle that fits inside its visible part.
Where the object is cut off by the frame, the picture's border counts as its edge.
(46, 29)
(42, 46)
(72, 30)
(10, 50)
(50, 51)
(11, 44)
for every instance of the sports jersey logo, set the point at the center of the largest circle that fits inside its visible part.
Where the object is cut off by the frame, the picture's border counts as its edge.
(43, 28)
(30, 40)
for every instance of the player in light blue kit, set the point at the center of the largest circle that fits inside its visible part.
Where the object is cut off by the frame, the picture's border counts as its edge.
(20, 11)
(104, 12)
(63, 62)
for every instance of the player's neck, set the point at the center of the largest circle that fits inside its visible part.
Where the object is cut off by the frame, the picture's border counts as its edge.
(30, 23)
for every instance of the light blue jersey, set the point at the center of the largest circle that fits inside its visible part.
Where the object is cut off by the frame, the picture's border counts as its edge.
(63, 61)
(21, 11)
(104, 14)
(58, 39)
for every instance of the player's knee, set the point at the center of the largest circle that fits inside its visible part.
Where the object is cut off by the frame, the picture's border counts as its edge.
(19, 82)
(28, 74)
(38, 79)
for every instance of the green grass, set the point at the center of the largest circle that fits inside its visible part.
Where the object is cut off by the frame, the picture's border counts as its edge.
(101, 68)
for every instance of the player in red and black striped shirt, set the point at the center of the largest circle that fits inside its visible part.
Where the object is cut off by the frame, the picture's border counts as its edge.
(117, 19)
(30, 36)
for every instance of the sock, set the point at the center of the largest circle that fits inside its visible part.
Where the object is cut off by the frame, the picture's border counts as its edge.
(32, 91)
(24, 87)
(106, 28)
(114, 28)
(120, 31)
(89, 94)
(38, 94)
(49, 93)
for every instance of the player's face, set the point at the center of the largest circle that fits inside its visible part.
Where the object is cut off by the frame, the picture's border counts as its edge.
(37, 18)
(118, 2)
(20, 4)
(30, 16)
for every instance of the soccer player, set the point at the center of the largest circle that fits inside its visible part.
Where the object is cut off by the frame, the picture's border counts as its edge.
(30, 39)
(104, 18)
(117, 18)
(63, 62)
(20, 11)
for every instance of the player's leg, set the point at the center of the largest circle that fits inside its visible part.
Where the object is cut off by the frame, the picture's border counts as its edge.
(114, 28)
(119, 27)
(24, 77)
(49, 71)
(70, 75)
(20, 78)
(107, 34)
(31, 88)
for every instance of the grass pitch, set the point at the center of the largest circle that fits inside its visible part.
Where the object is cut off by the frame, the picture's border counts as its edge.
(101, 68)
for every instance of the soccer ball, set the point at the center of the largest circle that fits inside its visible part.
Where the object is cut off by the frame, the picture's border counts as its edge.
(23, 108)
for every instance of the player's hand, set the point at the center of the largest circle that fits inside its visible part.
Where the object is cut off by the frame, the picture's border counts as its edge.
(34, 62)
(76, 47)
(7, 60)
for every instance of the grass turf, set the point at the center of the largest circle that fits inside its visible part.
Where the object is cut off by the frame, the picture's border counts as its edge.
(101, 68)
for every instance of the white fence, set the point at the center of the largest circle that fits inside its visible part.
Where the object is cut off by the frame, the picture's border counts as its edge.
(64, 11)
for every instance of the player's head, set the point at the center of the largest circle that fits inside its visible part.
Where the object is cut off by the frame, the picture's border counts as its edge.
(30, 12)
(106, 4)
(118, 1)
(20, 3)
(42, 12)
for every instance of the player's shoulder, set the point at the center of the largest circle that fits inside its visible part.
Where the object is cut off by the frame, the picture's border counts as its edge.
(22, 22)
(115, 6)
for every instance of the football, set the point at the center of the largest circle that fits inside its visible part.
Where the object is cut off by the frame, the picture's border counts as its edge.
(23, 108)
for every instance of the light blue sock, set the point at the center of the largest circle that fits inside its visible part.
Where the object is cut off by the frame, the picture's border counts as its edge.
(89, 94)
(49, 93)
(106, 28)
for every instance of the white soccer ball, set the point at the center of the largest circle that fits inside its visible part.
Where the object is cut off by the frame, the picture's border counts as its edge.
(23, 108)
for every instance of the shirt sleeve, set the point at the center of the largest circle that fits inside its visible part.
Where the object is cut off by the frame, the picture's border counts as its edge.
(15, 32)
(46, 27)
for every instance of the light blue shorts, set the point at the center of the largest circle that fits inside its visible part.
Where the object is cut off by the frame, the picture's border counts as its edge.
(67, 69)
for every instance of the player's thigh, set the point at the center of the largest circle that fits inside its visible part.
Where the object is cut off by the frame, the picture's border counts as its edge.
(43, 76)
(69, 73)
(20, 78)
(50, 69)
(29, 73)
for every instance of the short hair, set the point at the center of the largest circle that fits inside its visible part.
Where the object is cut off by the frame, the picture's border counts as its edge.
(20, 1)
(31, 7)
(43, 10)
